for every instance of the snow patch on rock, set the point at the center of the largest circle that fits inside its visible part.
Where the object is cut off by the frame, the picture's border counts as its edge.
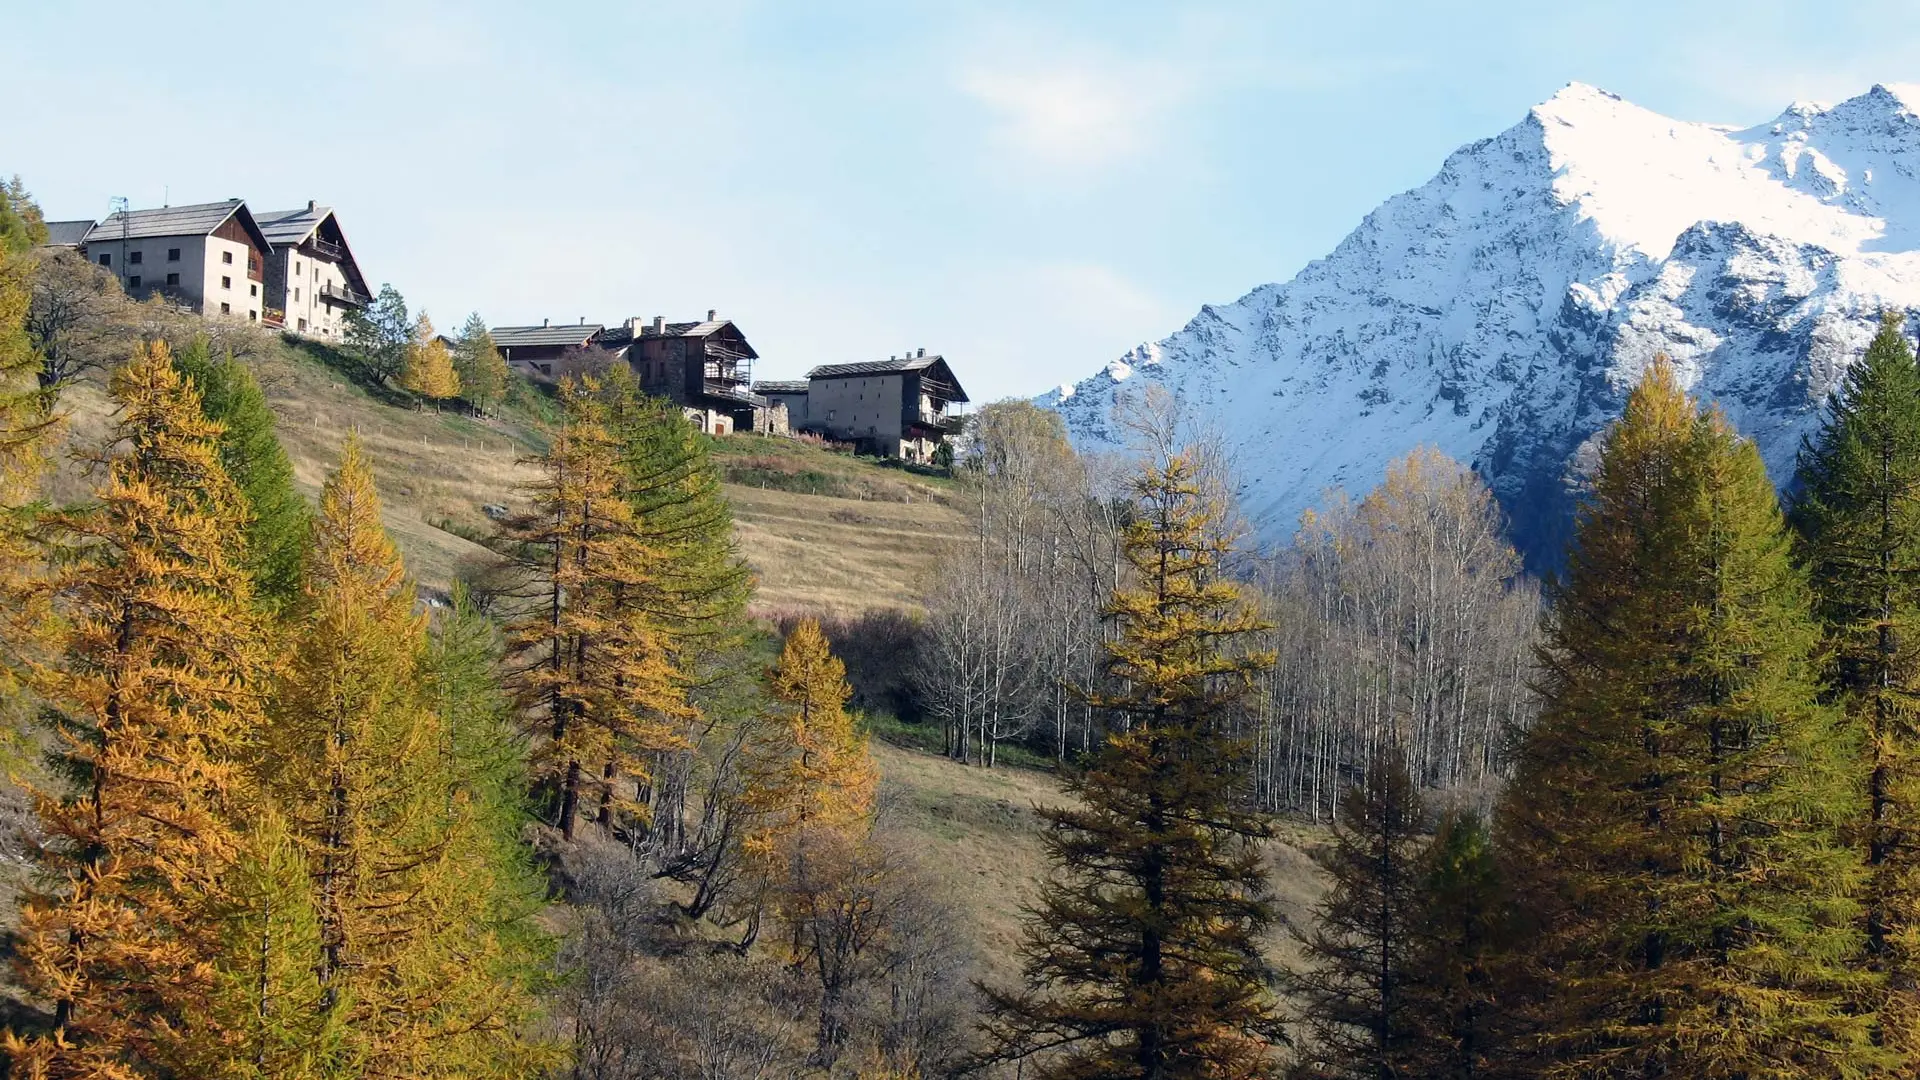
(1501, 311)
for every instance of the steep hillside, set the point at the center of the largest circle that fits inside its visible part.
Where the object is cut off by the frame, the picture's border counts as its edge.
(824, 531)
(1501, 310)
(977, 833)
(833, 534)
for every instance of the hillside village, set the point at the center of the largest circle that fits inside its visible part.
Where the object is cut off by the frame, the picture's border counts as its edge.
(295, 272)
(573, 701)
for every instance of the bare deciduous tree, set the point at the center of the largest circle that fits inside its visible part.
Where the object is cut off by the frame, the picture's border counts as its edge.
(1403, 619)
(76, 318)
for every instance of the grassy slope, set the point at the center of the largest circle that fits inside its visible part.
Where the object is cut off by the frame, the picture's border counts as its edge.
(833, 534)
(975, 830)
(824, 532)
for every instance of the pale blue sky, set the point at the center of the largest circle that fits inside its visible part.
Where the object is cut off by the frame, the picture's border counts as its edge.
(1030, 189)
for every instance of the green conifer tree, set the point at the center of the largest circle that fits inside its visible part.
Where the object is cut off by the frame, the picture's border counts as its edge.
(1454, 1001)
(251, 452)
(380, 335)
(411, 963)
(267, 991)
(1142, 956)
(1858, 518)
(1354, 989)
(481, 368)
(485, 759)
(1673, 822)
(23, 425)
(671, 482)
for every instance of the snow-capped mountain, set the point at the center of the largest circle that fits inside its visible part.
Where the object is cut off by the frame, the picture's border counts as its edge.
(1502, 310)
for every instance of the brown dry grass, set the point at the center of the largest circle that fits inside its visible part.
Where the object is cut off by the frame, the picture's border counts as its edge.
(976, 833)
(430, 466)
(833, 556)
(812, 553)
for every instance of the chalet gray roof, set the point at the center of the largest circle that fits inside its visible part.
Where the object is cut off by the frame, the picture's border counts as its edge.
(781, 386)
(291, 226)
(519, 337)
(873, 367)
(68, 233)
(196, 220)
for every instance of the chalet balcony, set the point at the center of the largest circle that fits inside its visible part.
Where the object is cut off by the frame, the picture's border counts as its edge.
(330, 293)
(941, 421)
(326, 249)
(731, 391)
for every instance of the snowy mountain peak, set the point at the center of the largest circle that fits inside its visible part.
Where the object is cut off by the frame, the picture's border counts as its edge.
(1501, 310)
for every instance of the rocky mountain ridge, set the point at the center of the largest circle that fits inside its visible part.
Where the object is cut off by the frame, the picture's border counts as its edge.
(1501, 310)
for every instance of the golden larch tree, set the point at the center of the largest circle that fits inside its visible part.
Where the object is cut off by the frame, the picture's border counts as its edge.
(158, 686)
(429, 369)
(400, 879)
(805, 767)
(1674, 830)
(356, 754)
(1142, 955)
(593, 670)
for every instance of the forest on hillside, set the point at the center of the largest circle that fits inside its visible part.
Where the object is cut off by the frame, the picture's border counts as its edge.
(592, 817)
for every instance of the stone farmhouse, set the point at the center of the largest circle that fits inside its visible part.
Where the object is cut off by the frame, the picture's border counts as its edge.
(705, 367)
(288, 269)
(312, 277)
(903, 407)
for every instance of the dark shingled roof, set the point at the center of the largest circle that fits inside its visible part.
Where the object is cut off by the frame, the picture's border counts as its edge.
(199, 219)
(781, 386)
(873, 367)
(520, 337)
(68, 233)
(285, 227)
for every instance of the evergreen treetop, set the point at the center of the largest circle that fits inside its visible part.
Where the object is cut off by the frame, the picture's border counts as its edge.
(481, 369)
(1672, 824)
(1858, 519)
(1142, 955)
(251, 453)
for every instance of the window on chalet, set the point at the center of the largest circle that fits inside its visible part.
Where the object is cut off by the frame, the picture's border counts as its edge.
(226, 309)
(134, 258)
(106, 259)
(173, 279)
(173, 254)
(296, 296)
(253, 290)
(226, 257)
(133, 282)
(226, 283)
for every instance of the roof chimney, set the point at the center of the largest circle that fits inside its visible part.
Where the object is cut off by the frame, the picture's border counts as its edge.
(310, 206)
(543, 322)
(711, 314)
(659, 325)
(583, 320)
(923, 352)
